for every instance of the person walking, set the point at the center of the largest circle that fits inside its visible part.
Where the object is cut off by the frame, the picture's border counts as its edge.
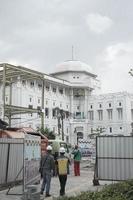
(62, 163)
(77, 158)
(46, 170)
(56, 154)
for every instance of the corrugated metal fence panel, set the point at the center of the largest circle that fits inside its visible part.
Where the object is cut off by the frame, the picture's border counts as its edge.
(3, 160)
(15, 162)
(114, 158)
(11, 159)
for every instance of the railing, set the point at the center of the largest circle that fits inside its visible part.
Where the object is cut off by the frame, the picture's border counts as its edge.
(79, 120)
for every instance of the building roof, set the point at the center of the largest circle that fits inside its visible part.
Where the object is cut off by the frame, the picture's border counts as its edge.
(31, 131)
(14, 134)
(73, 65)
(28, 130)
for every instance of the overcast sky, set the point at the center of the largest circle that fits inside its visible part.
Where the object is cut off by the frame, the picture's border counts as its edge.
(40, 34)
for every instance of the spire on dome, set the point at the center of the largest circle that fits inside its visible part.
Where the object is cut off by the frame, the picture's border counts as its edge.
(72, 52)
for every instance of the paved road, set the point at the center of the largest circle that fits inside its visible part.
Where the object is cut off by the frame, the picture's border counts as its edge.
(74, 184)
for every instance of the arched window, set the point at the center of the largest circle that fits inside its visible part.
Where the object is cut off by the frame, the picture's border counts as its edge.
(80, 135)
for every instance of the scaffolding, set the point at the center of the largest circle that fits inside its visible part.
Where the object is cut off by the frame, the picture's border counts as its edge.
(10, 74)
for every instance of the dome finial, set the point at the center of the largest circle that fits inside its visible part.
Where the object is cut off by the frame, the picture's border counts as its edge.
(72, 52)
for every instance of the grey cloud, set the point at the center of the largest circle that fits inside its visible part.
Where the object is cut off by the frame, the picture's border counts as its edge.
(41, 33)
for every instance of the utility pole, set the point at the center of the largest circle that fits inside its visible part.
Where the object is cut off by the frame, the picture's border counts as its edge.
(4, 85)
(42, 113)
(10, 102)
(96, 132)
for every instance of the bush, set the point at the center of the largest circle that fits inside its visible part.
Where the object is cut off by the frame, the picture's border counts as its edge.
(118, 191)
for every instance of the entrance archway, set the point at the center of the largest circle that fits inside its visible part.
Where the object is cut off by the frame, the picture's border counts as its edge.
(80, 135)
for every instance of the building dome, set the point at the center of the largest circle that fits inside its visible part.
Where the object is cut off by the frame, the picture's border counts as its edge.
(73, 65)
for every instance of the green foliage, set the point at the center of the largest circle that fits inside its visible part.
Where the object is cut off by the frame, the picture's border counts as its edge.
(49, 134)
(118, 191)
(69, 145)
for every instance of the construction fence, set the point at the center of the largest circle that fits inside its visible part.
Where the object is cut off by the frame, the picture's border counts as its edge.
(19, 161)
(11, 160)
(114, 158)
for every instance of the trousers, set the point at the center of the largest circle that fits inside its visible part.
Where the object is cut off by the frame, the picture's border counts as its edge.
(46, 183)
(76, 168)
(62, 179)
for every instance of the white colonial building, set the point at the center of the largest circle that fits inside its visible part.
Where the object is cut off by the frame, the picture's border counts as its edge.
(113, 112)
(66, 101)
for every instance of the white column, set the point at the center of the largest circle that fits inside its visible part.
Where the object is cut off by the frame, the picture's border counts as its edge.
(71, 102)
(86, 104)
(71, 134)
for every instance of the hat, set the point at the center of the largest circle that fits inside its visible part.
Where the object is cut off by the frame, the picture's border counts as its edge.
(49, 148)
(62, 150)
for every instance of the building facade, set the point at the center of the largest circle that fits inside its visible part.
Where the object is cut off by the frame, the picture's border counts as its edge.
(67, 102)
(111, 112)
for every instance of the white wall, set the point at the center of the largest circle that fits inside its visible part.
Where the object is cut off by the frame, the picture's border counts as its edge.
(115, 123)
(23, 93)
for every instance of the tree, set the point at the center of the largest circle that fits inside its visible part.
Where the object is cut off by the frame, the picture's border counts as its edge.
(97, 132)
(49, 134)
(3, 124)
(60, 114)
